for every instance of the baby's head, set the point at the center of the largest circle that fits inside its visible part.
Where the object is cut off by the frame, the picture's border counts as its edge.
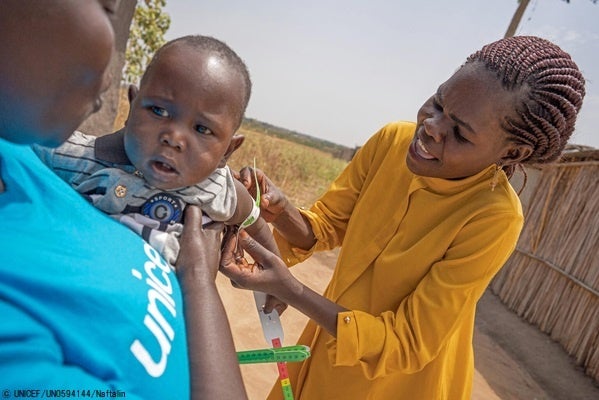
(182, 121)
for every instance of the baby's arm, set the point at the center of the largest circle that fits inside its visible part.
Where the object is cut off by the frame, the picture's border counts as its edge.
(259, 230)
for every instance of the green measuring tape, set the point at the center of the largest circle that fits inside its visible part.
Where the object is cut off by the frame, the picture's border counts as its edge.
(273, 333)
(279, 354)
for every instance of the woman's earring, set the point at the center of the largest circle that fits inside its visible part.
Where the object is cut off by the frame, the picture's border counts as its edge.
(495, 178)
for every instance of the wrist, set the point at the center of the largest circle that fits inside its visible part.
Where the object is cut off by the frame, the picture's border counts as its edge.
(288, 213)
(195, 277)
(296, 229)
(290, 290)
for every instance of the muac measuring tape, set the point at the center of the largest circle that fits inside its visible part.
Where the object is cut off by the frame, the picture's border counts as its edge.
(271, 325)
(281, 354)
(273, 333)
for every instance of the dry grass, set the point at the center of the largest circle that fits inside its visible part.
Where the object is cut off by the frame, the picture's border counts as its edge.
(303, 173)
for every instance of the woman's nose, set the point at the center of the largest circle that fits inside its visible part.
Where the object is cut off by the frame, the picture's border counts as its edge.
(435, 128)
(106, 81)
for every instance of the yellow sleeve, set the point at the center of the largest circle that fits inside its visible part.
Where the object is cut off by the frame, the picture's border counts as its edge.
(330, 214)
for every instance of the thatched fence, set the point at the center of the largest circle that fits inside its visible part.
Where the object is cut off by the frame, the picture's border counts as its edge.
(552, 279)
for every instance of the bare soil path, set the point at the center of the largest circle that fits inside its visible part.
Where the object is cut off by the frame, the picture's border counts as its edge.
(513, 359)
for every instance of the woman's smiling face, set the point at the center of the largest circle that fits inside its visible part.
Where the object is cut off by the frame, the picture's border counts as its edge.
(459, 129)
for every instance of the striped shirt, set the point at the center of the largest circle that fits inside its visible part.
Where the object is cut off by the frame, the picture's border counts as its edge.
(98, 168)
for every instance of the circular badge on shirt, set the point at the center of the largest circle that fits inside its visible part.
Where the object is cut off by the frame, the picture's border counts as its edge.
(163, 207)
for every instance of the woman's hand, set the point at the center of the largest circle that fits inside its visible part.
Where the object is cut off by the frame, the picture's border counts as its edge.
(213, 365)
(272, 200)
(267, 274)
(278, 210)
(271, 275)
(200, 247)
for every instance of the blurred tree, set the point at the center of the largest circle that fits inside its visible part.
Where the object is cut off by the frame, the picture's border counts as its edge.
(148, 27)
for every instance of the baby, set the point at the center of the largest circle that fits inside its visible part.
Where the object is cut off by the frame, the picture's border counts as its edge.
(173, 148)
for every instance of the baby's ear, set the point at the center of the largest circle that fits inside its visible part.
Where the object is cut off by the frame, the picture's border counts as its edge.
(236, 142)
(132, 93)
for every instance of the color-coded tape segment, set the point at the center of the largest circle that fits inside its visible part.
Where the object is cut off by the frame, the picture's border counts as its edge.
(283, 373)
(273, 333)
(271, 325)
(282, 354)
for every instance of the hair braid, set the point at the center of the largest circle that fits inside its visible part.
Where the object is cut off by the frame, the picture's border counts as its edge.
(553, 91)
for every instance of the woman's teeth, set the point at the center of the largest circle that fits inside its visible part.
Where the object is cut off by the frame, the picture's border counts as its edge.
(423, 151)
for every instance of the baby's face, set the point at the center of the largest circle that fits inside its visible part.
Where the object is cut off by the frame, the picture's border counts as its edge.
(183, 118)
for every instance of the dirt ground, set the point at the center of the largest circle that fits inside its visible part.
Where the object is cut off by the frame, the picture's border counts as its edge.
(513, 359)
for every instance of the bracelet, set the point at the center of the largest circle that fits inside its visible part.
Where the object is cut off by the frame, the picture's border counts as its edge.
(253, 217)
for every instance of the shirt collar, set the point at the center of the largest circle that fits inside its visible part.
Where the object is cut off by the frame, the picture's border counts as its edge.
(452, 186)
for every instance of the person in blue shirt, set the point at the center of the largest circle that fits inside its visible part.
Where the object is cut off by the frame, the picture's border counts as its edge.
(87, 306)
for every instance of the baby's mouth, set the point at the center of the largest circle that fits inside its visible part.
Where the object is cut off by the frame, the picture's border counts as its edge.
(163, 168)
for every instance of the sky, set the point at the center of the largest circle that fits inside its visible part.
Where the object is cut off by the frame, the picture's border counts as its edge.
(341, 69)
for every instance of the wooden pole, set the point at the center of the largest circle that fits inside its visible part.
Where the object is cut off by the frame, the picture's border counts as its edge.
(511, 30)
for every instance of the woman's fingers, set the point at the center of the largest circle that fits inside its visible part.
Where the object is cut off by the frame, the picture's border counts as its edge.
(229, 245)
(246, 177)
(193, 219)
(234, 265)
(273, 303)
(258, 252)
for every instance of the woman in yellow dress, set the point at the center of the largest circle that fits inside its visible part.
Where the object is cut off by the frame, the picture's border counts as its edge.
(425, 217)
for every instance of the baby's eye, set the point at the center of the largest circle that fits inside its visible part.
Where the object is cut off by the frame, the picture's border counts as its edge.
(161, 112)
(203, 130)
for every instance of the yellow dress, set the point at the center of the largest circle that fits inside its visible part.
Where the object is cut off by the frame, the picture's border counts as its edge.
(417, 254)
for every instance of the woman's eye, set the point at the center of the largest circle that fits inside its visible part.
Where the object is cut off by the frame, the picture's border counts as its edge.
(203, 130)
(458, 135)
(109, 6)
(161, 112)
(437, 105)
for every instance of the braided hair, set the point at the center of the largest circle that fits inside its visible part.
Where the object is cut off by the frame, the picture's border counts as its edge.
(553, 90)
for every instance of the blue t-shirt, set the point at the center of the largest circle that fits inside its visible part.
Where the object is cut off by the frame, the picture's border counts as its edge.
(85, 304)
